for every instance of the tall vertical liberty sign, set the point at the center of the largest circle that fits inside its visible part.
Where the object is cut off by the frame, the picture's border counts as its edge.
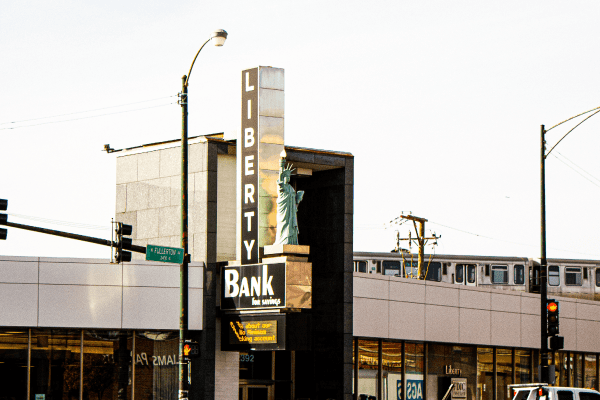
(250, 167)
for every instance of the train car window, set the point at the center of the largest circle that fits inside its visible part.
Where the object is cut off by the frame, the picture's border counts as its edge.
(391, 268)
(519, 274)
(573, 276)
(361, 266)
(471, 269)
(597, 276)
(434, 272)
(553, 275)
(460, 273)
(500, 274)
(411, 269)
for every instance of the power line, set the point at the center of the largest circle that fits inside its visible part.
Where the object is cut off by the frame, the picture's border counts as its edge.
(81, 112)
(59, 222)
(577, 166)
(91, 116)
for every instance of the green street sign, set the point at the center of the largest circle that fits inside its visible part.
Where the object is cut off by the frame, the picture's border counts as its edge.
(164, 254)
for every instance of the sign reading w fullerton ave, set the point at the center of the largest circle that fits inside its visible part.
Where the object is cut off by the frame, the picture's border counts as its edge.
(250, 170)
(253, 286)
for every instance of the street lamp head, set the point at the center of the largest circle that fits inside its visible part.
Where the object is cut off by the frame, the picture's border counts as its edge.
(219, 35)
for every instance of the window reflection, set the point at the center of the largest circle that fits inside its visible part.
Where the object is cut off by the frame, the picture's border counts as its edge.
(392, 370)
(13, 363)
(55, 363)
(368, 364)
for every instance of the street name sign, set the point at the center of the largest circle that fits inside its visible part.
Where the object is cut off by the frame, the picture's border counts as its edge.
(164, 254)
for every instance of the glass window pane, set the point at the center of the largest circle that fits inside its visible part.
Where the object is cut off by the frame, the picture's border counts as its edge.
(564, 394)
(445, 362)
(485, 373)
(471, 270)
(55, 361)
(577, 370)
(460, 273)
(368, 364)
(414, 371)
(156, 369)
(391, 268)
(553, 275)
(499, 274)
(392, 370)
(523, 366)
(519, 274)
(504, 372)
(106, 363)
(589, 396)
(573, 276)
(434, 272)
(13, 363)
(590, 372)
(362, 266)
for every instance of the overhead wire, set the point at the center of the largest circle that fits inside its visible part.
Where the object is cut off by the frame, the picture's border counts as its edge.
(82, 112)
(597, 183)
(59, 222)
(91, 116)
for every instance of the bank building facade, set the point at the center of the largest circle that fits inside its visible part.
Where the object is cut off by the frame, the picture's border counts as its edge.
(273, 319)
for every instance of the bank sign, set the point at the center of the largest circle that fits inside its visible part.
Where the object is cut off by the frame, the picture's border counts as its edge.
(258, 286)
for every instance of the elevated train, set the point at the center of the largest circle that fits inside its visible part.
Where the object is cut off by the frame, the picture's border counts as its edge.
(566, 277)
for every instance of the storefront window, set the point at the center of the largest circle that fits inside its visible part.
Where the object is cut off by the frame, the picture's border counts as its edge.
(415, 354)
(590, 372)
(523, 366)
(485, 373)
(503, 372)
(577, 372)
(106, 364)
(445, 362)
(368, 364)
(13, 363)
(156, 368)
(392, 370)
(561, 366)
(55, 363)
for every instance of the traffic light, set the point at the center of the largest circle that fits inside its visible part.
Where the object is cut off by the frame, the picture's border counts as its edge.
(553, 309)
(557, 343)
(3, 218)
(123, 243)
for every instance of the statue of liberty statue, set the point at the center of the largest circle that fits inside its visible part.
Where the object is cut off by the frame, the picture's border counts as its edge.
(287, 205)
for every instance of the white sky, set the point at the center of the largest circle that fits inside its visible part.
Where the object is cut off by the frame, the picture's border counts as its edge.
(440, 102)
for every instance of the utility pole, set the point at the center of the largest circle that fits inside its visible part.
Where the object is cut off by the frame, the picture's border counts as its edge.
(421, 240)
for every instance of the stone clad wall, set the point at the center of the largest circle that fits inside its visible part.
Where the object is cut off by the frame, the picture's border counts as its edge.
(406, 309)
(92, 293)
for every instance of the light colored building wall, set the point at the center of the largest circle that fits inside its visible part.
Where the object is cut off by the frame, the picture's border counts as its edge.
(406, 309)
(149, 196)
(226, 208)
(92, 293)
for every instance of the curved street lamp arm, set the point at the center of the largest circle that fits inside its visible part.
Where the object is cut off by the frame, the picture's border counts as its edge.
(567, 120)
(193, 62)
(588, 117)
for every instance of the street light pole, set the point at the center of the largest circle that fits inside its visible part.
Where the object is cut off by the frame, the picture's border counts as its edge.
(219, 36)
(544, 371)
(544, 356)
